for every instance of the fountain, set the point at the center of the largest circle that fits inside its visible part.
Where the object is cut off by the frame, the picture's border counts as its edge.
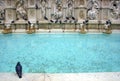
(58, 14)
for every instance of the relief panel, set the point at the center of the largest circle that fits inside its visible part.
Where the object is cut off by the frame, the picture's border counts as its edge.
(82, 14)
(81, 2)
(114, 10)
(105, 3)
(9, 15)
(8, 2)
(31, 3)
(93, 7)
(32, 14)
(2, 12)
(104, 14)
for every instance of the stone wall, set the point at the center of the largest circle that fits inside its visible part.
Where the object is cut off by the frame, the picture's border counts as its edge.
(96, 11)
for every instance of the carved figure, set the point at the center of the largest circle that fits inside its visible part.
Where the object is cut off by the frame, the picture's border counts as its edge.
(81, 14)
(93, 8)
(115, 9)
(58, 11)
(20, 10)
(43, 7)
(58, 3)
(69, 8)
(2, 12)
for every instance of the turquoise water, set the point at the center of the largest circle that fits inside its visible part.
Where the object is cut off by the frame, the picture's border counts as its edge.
(60, 53)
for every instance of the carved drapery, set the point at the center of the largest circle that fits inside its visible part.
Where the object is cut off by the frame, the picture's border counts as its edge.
(58, 9)
(44, 5)
(70, 8)
(93, 9)
(115, 9)
(21, 10)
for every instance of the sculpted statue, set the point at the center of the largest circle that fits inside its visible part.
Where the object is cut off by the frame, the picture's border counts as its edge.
(115, 9)
(2, 12)
(58, 11)
(69, 8)
(93, 8)
(20, 10)
(58, 3)
(43, 7)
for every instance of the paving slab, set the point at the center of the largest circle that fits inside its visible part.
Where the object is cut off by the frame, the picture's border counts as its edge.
(104, 76)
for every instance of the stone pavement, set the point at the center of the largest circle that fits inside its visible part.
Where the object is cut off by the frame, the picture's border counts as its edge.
(107, 76)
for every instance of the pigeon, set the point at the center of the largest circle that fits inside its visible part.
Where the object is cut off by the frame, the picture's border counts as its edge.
(73, 18)
(36, 6)
(60, 22)
(45, 18)
(29, 22)
(51, 21)
(65, 21)
(18, 69)
(12, 21)
(56, 21)
(67, 18)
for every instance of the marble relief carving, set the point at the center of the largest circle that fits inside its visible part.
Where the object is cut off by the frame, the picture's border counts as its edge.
(2, 11)
(105, 2)
(93, 9)
(76, 3)
(32, 2)
(20, 10)
(8, 2)
(105, 14)
(70, 8)
(115, 9)
(32, 13)
(10, 14)
(58, 10)
(81, 14)
(82, 2)
(44, 4)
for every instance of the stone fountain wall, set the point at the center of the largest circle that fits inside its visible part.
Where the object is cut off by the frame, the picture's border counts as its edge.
(96, 11)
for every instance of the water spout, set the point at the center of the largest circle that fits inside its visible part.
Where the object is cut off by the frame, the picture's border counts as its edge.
(83, 26)
(107, 27)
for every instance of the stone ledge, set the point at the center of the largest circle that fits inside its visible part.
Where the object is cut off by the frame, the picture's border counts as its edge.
(61, 31)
